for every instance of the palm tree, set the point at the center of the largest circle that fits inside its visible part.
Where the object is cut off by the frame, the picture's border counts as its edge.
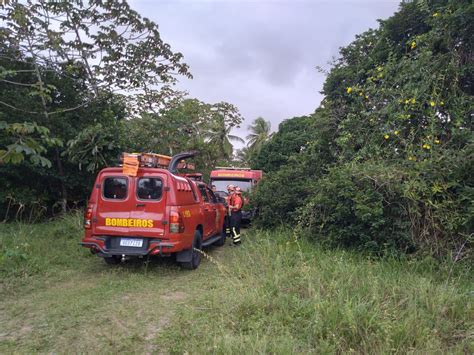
(259, 134)
(243, 155)
(219, 134)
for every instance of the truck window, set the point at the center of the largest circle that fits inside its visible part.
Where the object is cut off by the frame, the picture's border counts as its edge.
(212, 196)
(115, 188)
(149, 188)
(221, 184)
(202, 190)
(194, 193)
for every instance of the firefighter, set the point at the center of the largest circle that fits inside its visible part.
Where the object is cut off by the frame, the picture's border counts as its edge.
(236, 204)
(230, 191)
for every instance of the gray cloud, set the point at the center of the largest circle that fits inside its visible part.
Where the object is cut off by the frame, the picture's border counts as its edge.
(261, 55)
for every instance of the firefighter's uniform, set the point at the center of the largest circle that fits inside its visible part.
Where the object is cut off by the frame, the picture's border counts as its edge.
(236, 203)
(228, 231)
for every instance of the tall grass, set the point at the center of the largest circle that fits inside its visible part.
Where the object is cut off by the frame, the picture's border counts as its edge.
(45, 248)
(285, 296)
(273, 294)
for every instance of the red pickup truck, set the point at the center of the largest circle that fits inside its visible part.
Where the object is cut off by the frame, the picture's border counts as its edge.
(152, 211)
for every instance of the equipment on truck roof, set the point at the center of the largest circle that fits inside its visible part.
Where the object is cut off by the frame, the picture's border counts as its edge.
(132, 161)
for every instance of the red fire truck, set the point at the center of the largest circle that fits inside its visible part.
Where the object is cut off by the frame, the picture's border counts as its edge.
(146, 208)
(245, 178)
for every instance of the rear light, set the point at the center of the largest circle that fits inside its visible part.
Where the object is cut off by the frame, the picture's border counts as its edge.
(87, 218)
(176, 223)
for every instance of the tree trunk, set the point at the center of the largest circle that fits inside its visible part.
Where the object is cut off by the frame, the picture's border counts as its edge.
(63, 199)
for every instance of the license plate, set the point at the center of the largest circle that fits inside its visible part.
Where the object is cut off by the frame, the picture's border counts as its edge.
(131, 242)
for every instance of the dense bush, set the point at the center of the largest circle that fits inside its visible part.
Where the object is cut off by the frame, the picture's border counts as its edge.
(293, 135)
(358, 205)
(388, 165)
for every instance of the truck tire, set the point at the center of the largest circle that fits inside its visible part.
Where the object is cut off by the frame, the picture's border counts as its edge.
(112, 260)
(221, 241)
(195, 254)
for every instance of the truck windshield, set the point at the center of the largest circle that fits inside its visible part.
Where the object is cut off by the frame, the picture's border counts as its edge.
(221, 184)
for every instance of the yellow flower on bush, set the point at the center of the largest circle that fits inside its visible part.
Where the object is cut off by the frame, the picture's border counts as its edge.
(413, 45)
(436, 14)
(379, 68)
(396, 133)
(411, 158)
(432, 103)
(386, 136)
(349, 90)
(426, 146)
(412, 101)
(437, 141)
(442, 103)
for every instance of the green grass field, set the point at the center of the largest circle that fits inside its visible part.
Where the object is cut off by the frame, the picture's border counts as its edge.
(274, 294)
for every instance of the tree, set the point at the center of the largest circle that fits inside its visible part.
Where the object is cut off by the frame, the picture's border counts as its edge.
(259, 134)
(177, 128)
(115, 48)
(108, 44)
(189, 125)
(292, 137)
(26, 140)
(243, 156)
(42, 186)
(69, 72)
(224, 118)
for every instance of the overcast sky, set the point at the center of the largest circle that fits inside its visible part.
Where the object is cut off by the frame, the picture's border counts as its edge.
(260, 55)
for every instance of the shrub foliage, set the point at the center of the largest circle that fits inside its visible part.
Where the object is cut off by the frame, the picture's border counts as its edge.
(386, 161)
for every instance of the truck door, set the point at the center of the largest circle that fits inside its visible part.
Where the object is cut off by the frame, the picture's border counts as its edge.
(218, 211)
(113, 204)
(149, 208)
(209, 213)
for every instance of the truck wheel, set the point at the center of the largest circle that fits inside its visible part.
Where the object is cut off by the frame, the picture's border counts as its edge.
(195, 254)
(112, 260)
(221, 241)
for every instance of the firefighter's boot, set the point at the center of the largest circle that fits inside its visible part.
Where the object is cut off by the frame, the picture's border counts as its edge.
(235, 237)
